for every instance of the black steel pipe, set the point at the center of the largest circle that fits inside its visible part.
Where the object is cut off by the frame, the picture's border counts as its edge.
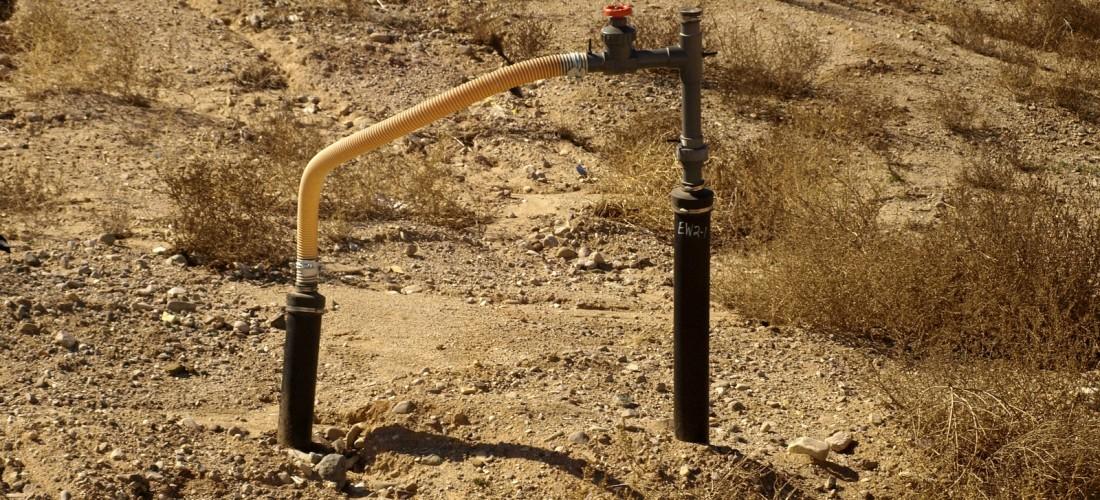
(691, 314)
(300, 351)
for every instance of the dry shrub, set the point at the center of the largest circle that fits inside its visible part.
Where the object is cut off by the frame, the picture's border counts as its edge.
(527, 38)
(1068, 27)
(29, 186)
(992, 169)
(960, 115)
(654, 31)
(993, 430)
(1075, 90)
(387, 186)
(759, 185)
(1004, 274)
(238, 204)
(777, 62)
(65, 53)
(260, 75)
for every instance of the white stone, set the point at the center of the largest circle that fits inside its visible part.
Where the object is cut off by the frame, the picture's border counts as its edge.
(814, 448)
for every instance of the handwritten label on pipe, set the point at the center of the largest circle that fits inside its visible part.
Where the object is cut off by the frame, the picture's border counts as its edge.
(691, 230)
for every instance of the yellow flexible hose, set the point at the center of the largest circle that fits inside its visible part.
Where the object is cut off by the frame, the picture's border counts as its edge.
(404, 123)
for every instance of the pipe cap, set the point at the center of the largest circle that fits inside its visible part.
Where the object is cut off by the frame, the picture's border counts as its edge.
(618, 9)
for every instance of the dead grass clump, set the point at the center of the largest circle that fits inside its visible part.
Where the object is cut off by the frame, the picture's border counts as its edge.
(1074, 90)
(28, 187)
(260, 75)
(960, 115)
(1068, 27)
(992, 430)
(761, 186)
(230, 209)
(527, 38)
(65, 54)
(383, 186)
(993, 169)
(765, 62)
(1004, 274)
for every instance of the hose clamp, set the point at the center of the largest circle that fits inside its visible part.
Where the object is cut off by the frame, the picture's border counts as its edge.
(306, 273)
(575, 64)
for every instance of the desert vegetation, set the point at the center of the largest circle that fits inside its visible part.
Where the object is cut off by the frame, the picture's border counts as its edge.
(59, 52)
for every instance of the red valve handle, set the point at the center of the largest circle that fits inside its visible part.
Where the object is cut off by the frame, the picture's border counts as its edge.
(618, 9)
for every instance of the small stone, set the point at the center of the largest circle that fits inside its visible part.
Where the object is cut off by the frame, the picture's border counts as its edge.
(578, 437)
(766, 427)
(333, 433)
(277, 321)
(840, 441)
(159, 250)
(29, 329)
(404, 407)
(662, 387)
(814, 448)
(468, 390)
(411, 289)
(31, 259)
(118, 455)
(460, 419)
(382, 37)
(169, 318)
(598, 258)
(177, 260)
(432, 459)
(107, 239)
(175, 369)
(333, 467)
(685, 471)
(737, 406)
(66, 340)
(241, 327)
(566, 253)
(411, 249)
(179, 306)
(177, 292)
(876, 419)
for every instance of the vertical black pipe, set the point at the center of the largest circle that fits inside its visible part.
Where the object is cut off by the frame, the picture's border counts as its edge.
(692, 204)
(691, 315)
(303, 341)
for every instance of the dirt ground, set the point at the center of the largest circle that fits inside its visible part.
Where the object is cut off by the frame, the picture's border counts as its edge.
(476, 367)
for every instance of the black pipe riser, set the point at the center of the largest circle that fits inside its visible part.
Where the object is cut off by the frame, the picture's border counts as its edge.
(691, 315)
(303, 341)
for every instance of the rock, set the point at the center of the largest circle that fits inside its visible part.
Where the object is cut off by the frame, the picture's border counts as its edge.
(566, 253)
(550, 241)
(597, 258)
(354, 433)
(382, 37)
(411, 289)
(177, 292)
(737, 406)
(256, 21)
(813, 448)
(106, 239)
(411, 249)
(177, 260)
(578, 437)
(28, 329)
(333, 467)
(468, 390)
(432, 459)
(404, 407)
(66, 340)
(179, 306)
(118, 455)
(840, 441)
(175, 369)
(169, 318)
(686, 471)
(278, 321)
(460, 419)
(767, 427)
(159, 250)
(333, 433)
(876, 419)
(241, 327)
(31, 259)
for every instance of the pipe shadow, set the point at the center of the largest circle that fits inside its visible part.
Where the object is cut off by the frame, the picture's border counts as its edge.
(398, 439)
